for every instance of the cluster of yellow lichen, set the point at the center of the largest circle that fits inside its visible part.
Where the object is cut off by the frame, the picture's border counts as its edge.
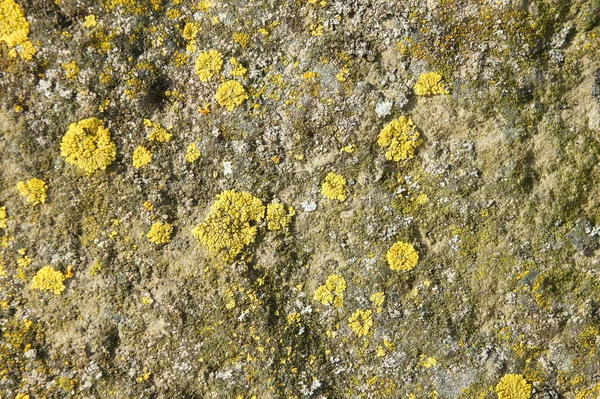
(14, 30)
(377, 300)
(277, 216)
(3, 217)
(34, 190)
(141, 157)
(208, 64)
(430, 84)
(49, 279)
(231, 224)
(160, 233)
(400, 138)
(231, 94)
(361, 321)
(513, 386)
(87, 144)
(192, 153)
(592, 393)
(334, 187)
(158, 132)
(332, 291)
(402, 256)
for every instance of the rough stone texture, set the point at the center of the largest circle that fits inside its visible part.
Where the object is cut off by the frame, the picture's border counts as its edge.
(501, 200)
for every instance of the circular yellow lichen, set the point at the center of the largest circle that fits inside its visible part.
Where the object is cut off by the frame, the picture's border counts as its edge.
(141, 157)
(402, 256)
(334, 187)
(430, 84)
(87, 144)
(400, 138)
(332, 291)
(48, 279)
(34, 190)
(208, 64)
(277, 216)
(513, 386)
(231, 94)
(14, 29)
(160, 233)
(361, 321)
(231, 224)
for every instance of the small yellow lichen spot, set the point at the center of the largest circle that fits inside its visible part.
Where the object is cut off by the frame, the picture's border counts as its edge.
(146, 300)
(34, 190)
(400, 138)
(402, 256)
(158, 132)
(377, 300)
(317, 29)
(14, 29)
(71, 69)
(231, 224)
(293, 318)
(310, 75)
(141, 157)
(231, 94)
(3, 217)
(343, 74)
(90, 21)
(242, 39)
(48, 279)
(348, 149)
(208, 64)
(191, 30)
(160, 233)
(427, 362)
(173, 14)
(87, 144)
(205, 5)
(192, 153)
(332, 291)
(277, 217)
(361, 322)
(334, 187)
(22, 396)
(513, 386)
(430, 84)
(238, 69)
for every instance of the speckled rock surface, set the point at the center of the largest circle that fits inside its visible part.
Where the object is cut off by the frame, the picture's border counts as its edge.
(213, 257)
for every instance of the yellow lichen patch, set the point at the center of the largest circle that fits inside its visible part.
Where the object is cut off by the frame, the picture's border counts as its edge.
(48, 279)
(402, 256)
(191, 30)
(427, 362)
(513, 386)
(205, 5)
(160, 233)
(192, 153)
(141, 157)
(277, 217)
(401, 138)
(158, 132)
(332, 291)
(208, 64)
(231, 94)
(361, 321)
(231, 224)
(90, 21)
(14, 30)
(343, 74)
(34, 190)
(334, 187)
(3, 217)
(377, 300)
(71, 69)
(293, 318)
(430, 84)
(592, 393)
(242, 39)
(237, 69)
(87, 145)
